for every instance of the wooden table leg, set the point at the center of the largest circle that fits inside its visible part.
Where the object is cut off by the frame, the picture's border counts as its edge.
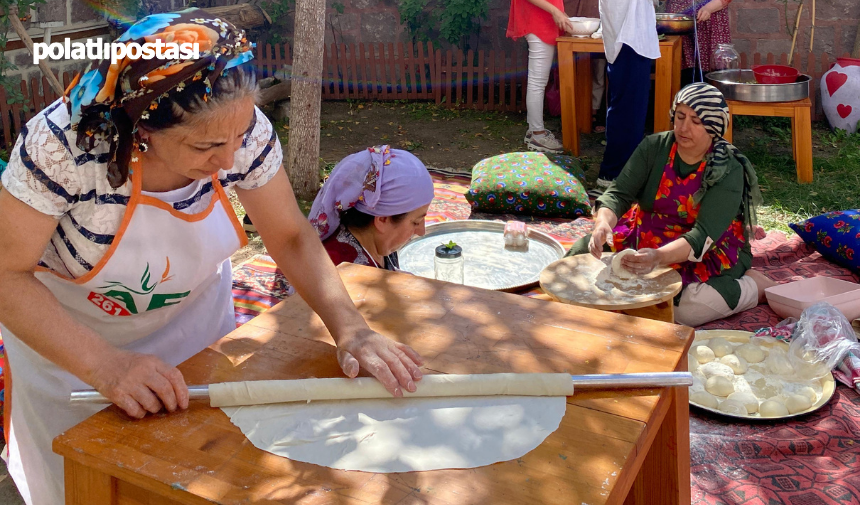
(582, 88)
(801, 138)
(663, 90)
(567, 77)
(729, 127)
(664, 478)
(85, 485)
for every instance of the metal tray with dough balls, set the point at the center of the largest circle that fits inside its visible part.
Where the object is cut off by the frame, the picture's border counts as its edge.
(589, 282)
(828, 384)
(488, 263)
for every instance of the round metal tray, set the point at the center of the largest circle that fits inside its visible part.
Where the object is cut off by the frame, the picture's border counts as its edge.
(740, 85)
(828, 384)
(488, 263)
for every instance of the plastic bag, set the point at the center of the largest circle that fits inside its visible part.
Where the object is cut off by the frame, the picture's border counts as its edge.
(822, 338)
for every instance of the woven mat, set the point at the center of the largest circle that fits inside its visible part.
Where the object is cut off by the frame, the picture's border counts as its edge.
(813, 460)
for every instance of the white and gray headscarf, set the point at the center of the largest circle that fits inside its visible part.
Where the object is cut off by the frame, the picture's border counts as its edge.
(710, 105)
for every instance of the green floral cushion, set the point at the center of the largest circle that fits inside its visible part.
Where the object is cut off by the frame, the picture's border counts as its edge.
(530, 183)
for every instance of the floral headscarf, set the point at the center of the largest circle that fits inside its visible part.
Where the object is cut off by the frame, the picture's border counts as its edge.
(711, 107)
(107, 102)
(378, 181)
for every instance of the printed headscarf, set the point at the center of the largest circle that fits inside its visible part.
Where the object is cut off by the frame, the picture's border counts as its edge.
(378, 181)
(107, 102)
(711, 107)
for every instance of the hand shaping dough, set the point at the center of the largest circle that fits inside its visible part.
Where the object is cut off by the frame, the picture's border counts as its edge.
(720, 346)
(733, 407)
(749, 400)
(719, 386)
(736, 363)
(751, 353)
(704, 399)
(229, 394)
(703, 354)
(618, 269)
(772, 408)
(797, 403)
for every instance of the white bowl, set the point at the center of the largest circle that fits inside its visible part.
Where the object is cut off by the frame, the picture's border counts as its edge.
(584, 27)
(789, 300)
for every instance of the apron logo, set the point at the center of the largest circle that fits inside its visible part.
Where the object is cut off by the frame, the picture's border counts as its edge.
(117, 299)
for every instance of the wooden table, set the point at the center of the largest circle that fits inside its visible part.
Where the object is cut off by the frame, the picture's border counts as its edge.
(574, 66)
(576, 280)
(608, 449)
(801, 128)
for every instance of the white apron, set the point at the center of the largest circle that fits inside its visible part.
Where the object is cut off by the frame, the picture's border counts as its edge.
(162, 288)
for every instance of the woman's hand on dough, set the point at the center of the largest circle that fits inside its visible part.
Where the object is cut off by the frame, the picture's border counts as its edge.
(601, 233)
(140, 383)
(395, 365)
(643, 262)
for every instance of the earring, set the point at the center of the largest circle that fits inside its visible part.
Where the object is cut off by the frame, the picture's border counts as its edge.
(142, 146)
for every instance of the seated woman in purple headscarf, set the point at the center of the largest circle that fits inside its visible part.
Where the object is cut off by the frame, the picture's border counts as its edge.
(373, 202)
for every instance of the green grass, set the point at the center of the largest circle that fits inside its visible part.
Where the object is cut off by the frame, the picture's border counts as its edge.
(836, 173)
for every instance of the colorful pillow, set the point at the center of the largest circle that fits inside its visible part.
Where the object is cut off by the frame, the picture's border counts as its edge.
(836, 235)
(531, 183)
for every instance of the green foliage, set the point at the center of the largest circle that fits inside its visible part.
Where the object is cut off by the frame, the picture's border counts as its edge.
(279, 11)
(12, 86)
(453, 20)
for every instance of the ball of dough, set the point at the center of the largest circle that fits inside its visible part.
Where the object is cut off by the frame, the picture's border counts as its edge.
(751, 353)
(772, 408)
(618, 269)
(749, 400)
(809, 393)
(718, 385)
(692, 363)
(703, 354)
(708, 370)
(736, 363)
(733, 407)
(797, 403)
(778, 364)
(704, 399)
(720, 346)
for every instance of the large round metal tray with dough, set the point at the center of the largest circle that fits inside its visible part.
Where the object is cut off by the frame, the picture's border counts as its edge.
(587, 281)
(828, 384)
(488, 263)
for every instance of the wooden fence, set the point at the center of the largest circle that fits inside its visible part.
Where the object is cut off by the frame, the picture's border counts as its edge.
(492, 80)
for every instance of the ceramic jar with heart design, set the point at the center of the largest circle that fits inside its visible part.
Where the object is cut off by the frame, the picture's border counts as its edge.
(840, 94)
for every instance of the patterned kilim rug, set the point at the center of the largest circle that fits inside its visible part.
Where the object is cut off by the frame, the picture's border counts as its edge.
(813, 460)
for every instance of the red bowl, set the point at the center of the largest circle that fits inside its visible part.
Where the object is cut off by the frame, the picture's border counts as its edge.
(775, 74)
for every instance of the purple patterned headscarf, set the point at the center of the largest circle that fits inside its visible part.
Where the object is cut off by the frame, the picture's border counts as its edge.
(378, 181)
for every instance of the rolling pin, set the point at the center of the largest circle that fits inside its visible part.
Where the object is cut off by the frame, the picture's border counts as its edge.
(629, 381)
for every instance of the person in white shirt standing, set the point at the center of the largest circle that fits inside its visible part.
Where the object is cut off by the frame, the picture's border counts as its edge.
(630, 43)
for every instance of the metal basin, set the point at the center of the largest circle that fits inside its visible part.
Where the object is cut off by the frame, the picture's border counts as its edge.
(741, 85)
(674, 24)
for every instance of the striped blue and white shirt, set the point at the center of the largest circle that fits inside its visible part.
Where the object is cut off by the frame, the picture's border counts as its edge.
(50, 174)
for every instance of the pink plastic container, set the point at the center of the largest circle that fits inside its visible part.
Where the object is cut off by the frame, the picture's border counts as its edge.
(789, 300)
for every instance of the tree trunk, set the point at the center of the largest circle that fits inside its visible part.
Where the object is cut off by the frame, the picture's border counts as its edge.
(304, 147)
(856, 52)
(245, 16)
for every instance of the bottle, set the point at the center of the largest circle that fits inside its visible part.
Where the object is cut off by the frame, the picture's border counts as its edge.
(449, 264)
(725, 58)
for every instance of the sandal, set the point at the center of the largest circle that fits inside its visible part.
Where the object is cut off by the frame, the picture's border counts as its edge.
(596, 128)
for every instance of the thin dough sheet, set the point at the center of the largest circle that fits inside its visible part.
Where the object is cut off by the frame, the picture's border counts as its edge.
(402, 435)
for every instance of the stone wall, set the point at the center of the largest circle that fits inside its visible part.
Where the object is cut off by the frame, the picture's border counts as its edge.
(757, 25)
(761, 26)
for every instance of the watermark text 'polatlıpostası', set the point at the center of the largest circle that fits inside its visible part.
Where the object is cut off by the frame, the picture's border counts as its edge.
(116, 51)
